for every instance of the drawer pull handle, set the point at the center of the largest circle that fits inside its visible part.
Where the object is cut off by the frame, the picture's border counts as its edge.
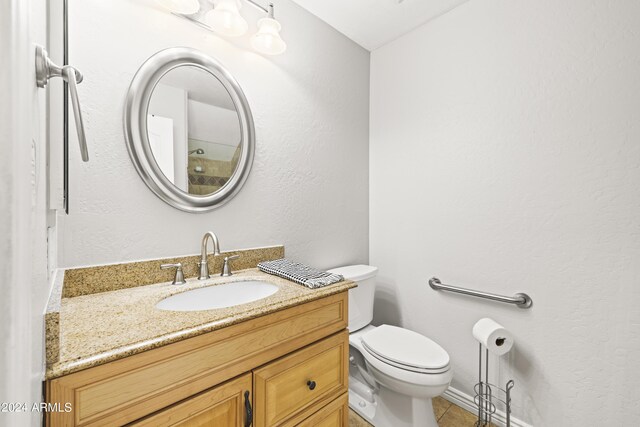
(248, 411)
(311, 384)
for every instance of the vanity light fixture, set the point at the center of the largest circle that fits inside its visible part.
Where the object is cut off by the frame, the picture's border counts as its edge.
(183, 7)
(267, 40)
(224, 18)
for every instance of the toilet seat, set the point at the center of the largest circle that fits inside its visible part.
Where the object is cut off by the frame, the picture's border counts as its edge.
(399, 378)
(405, 349)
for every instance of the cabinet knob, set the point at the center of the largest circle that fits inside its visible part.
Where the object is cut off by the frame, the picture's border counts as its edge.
(311, 384)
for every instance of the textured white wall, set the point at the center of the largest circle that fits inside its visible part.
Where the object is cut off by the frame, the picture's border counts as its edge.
(505, 156)
(308, 188)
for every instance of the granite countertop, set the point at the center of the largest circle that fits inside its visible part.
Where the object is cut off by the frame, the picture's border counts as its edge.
(98, 328)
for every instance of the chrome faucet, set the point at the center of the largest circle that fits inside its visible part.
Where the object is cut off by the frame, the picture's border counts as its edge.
(204, 268)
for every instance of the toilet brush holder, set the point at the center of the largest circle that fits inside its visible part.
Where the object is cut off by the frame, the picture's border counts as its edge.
(488, 396)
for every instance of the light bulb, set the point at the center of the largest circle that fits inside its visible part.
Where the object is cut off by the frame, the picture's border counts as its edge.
(267, 40)
(225, 18)
(184, 7)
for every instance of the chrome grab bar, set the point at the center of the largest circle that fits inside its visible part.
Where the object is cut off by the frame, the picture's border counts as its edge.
(45, 70)
(522, 300)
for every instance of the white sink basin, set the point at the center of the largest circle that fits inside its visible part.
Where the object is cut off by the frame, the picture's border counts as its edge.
(218, 296)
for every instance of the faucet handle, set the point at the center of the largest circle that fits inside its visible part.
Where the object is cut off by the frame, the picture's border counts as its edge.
(179, 278)
(226, 269)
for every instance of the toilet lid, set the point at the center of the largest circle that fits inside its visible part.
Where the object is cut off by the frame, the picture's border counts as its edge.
(406, 349)
(355, 273)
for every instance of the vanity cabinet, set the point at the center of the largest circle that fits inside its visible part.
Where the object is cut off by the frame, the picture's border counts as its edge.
(286, 368)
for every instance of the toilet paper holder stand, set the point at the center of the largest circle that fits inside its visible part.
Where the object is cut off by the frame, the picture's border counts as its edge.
(488, 395)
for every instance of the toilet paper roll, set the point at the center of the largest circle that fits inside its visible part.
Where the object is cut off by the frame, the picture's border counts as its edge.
(493, 336)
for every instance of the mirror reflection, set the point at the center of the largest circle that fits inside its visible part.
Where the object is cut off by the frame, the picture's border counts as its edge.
(194, 130)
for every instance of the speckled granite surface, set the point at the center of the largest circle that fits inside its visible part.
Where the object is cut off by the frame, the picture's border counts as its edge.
(102, 327)
(105, 278)
(52, 319)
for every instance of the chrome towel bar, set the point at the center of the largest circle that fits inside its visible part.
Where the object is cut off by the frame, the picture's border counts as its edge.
(522, 300)
(45, 70)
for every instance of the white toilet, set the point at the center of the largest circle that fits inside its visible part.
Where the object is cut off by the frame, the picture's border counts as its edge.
(394, 372)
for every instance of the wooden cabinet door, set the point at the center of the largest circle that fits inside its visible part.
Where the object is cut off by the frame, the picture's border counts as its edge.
(221, 406)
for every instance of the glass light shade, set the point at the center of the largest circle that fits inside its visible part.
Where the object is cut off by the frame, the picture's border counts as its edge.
(184, 7)
(225, 18)
(267, 40)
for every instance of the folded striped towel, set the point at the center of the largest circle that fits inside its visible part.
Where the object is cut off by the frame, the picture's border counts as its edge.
(299, 273)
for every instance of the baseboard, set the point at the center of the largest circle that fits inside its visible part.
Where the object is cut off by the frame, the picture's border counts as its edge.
(465, 401)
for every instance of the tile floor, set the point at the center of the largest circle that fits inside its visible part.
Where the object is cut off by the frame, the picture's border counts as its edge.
(447, 414)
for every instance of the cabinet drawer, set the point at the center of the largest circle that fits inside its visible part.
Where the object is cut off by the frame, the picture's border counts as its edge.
(222, 406)
(314, 375)
(335, 414)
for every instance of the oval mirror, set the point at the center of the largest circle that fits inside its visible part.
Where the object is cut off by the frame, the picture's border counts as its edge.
(189, 129)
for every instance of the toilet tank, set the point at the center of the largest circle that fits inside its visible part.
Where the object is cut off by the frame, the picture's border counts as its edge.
(360, 298)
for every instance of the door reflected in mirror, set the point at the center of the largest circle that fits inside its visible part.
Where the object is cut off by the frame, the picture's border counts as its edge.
(194, 130)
